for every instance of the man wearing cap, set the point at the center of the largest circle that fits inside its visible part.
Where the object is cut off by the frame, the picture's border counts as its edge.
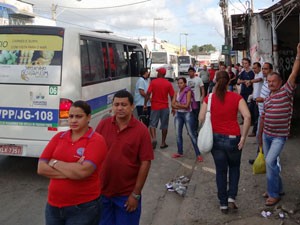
(197, 86)
(159, 90)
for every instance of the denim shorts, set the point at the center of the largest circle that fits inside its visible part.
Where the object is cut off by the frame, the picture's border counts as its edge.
(161, 115)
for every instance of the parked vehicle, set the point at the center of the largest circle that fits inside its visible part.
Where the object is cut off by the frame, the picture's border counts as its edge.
(167, 60)
(184, 62)
(44, 69)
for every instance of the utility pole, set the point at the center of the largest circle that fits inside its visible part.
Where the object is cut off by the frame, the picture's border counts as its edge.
(227, 28)
(154, 40)
(53, 11)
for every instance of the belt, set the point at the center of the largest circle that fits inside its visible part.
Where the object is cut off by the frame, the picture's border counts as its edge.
(226, 136)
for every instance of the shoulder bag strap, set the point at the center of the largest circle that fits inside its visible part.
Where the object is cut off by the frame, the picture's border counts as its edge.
(209, 102)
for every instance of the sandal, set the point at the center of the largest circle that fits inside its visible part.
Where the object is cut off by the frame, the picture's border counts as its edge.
(154, 143)
(266, 195)
(164, 146)
(272, 201)
(176, 155)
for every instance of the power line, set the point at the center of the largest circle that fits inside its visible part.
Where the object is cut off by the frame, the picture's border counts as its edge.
(242, 4)
(235, 6)
(107, 7)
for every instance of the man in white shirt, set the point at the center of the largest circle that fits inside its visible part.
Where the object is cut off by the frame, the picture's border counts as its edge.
(257, 84)
(197, 86)
(264, 93)
(204, 75)
(140, 92)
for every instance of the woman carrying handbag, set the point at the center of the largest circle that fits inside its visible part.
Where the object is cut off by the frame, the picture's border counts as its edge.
(228, 140)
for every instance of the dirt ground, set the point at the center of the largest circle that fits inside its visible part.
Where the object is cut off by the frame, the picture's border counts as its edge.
(200, 205)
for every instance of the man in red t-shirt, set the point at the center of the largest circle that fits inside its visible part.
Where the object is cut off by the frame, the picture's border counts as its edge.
(212, 72)
(159, 90)
(127, 164)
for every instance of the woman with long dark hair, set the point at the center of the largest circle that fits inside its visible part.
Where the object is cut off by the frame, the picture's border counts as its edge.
(228, 138)
(182, 104)
(72, 160)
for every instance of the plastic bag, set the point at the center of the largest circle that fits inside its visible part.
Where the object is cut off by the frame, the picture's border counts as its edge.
(259, 165)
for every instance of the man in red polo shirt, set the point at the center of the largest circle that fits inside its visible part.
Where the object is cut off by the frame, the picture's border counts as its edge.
(159, 90)
(127, 164)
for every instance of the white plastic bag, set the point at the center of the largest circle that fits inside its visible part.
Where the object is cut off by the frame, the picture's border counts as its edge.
(205, 136)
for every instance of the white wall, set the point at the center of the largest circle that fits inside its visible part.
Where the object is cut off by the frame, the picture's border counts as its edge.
(260, 40)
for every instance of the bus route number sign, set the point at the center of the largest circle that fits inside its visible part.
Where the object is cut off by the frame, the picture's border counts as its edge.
(53, 90)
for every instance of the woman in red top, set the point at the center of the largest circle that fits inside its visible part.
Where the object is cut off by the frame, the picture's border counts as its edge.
(228, 139)
(72, 161)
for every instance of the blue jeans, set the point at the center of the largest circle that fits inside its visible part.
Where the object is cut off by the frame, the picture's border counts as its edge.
(196, 115)
(272, 149)
(187, 119)
(227, 157)
(83, 214)
(114, 212)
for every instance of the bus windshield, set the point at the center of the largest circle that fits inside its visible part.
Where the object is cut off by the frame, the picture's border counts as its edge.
(184, 59)
(159, 57)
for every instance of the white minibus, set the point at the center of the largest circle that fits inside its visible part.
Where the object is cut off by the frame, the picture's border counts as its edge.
(43, 70)
(167, 60)
(184, 62)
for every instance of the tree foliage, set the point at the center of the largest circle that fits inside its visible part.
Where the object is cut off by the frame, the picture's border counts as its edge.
(203, 49)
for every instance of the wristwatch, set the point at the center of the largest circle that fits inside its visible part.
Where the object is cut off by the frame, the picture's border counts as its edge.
(137, 197)
(53, 163)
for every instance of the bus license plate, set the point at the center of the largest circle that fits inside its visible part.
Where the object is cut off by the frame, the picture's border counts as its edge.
(11, 149)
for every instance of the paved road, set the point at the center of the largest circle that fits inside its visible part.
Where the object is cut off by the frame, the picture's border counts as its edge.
(23, 193)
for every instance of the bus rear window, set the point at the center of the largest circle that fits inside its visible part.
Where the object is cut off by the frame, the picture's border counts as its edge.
(159, 57)
(30, 58)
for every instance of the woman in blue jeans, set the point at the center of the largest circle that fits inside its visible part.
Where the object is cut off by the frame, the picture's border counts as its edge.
(181, 103)
(227, 137)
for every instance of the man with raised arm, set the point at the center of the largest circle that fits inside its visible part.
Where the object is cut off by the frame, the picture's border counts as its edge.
(275, 127)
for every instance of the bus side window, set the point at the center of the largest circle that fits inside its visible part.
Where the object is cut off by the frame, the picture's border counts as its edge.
(105, 59)
(112, 60)
(123, 61)
(84, 58)
(96, 61)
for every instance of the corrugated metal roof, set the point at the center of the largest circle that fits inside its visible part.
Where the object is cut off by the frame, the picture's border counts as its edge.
(281, 5)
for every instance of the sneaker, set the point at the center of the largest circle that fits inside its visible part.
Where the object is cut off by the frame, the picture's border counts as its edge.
(199, 158)
(231, 204)
(224, 209)
(177, 155)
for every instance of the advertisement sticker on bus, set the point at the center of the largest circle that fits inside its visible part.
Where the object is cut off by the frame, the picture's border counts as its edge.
(30, 59)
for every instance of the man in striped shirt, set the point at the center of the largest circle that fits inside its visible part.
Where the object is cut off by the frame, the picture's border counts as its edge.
(275, 122)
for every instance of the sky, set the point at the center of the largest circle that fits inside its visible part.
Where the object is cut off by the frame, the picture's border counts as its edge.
(195, 22)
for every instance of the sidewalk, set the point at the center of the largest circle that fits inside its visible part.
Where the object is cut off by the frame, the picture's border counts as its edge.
(200, 206)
